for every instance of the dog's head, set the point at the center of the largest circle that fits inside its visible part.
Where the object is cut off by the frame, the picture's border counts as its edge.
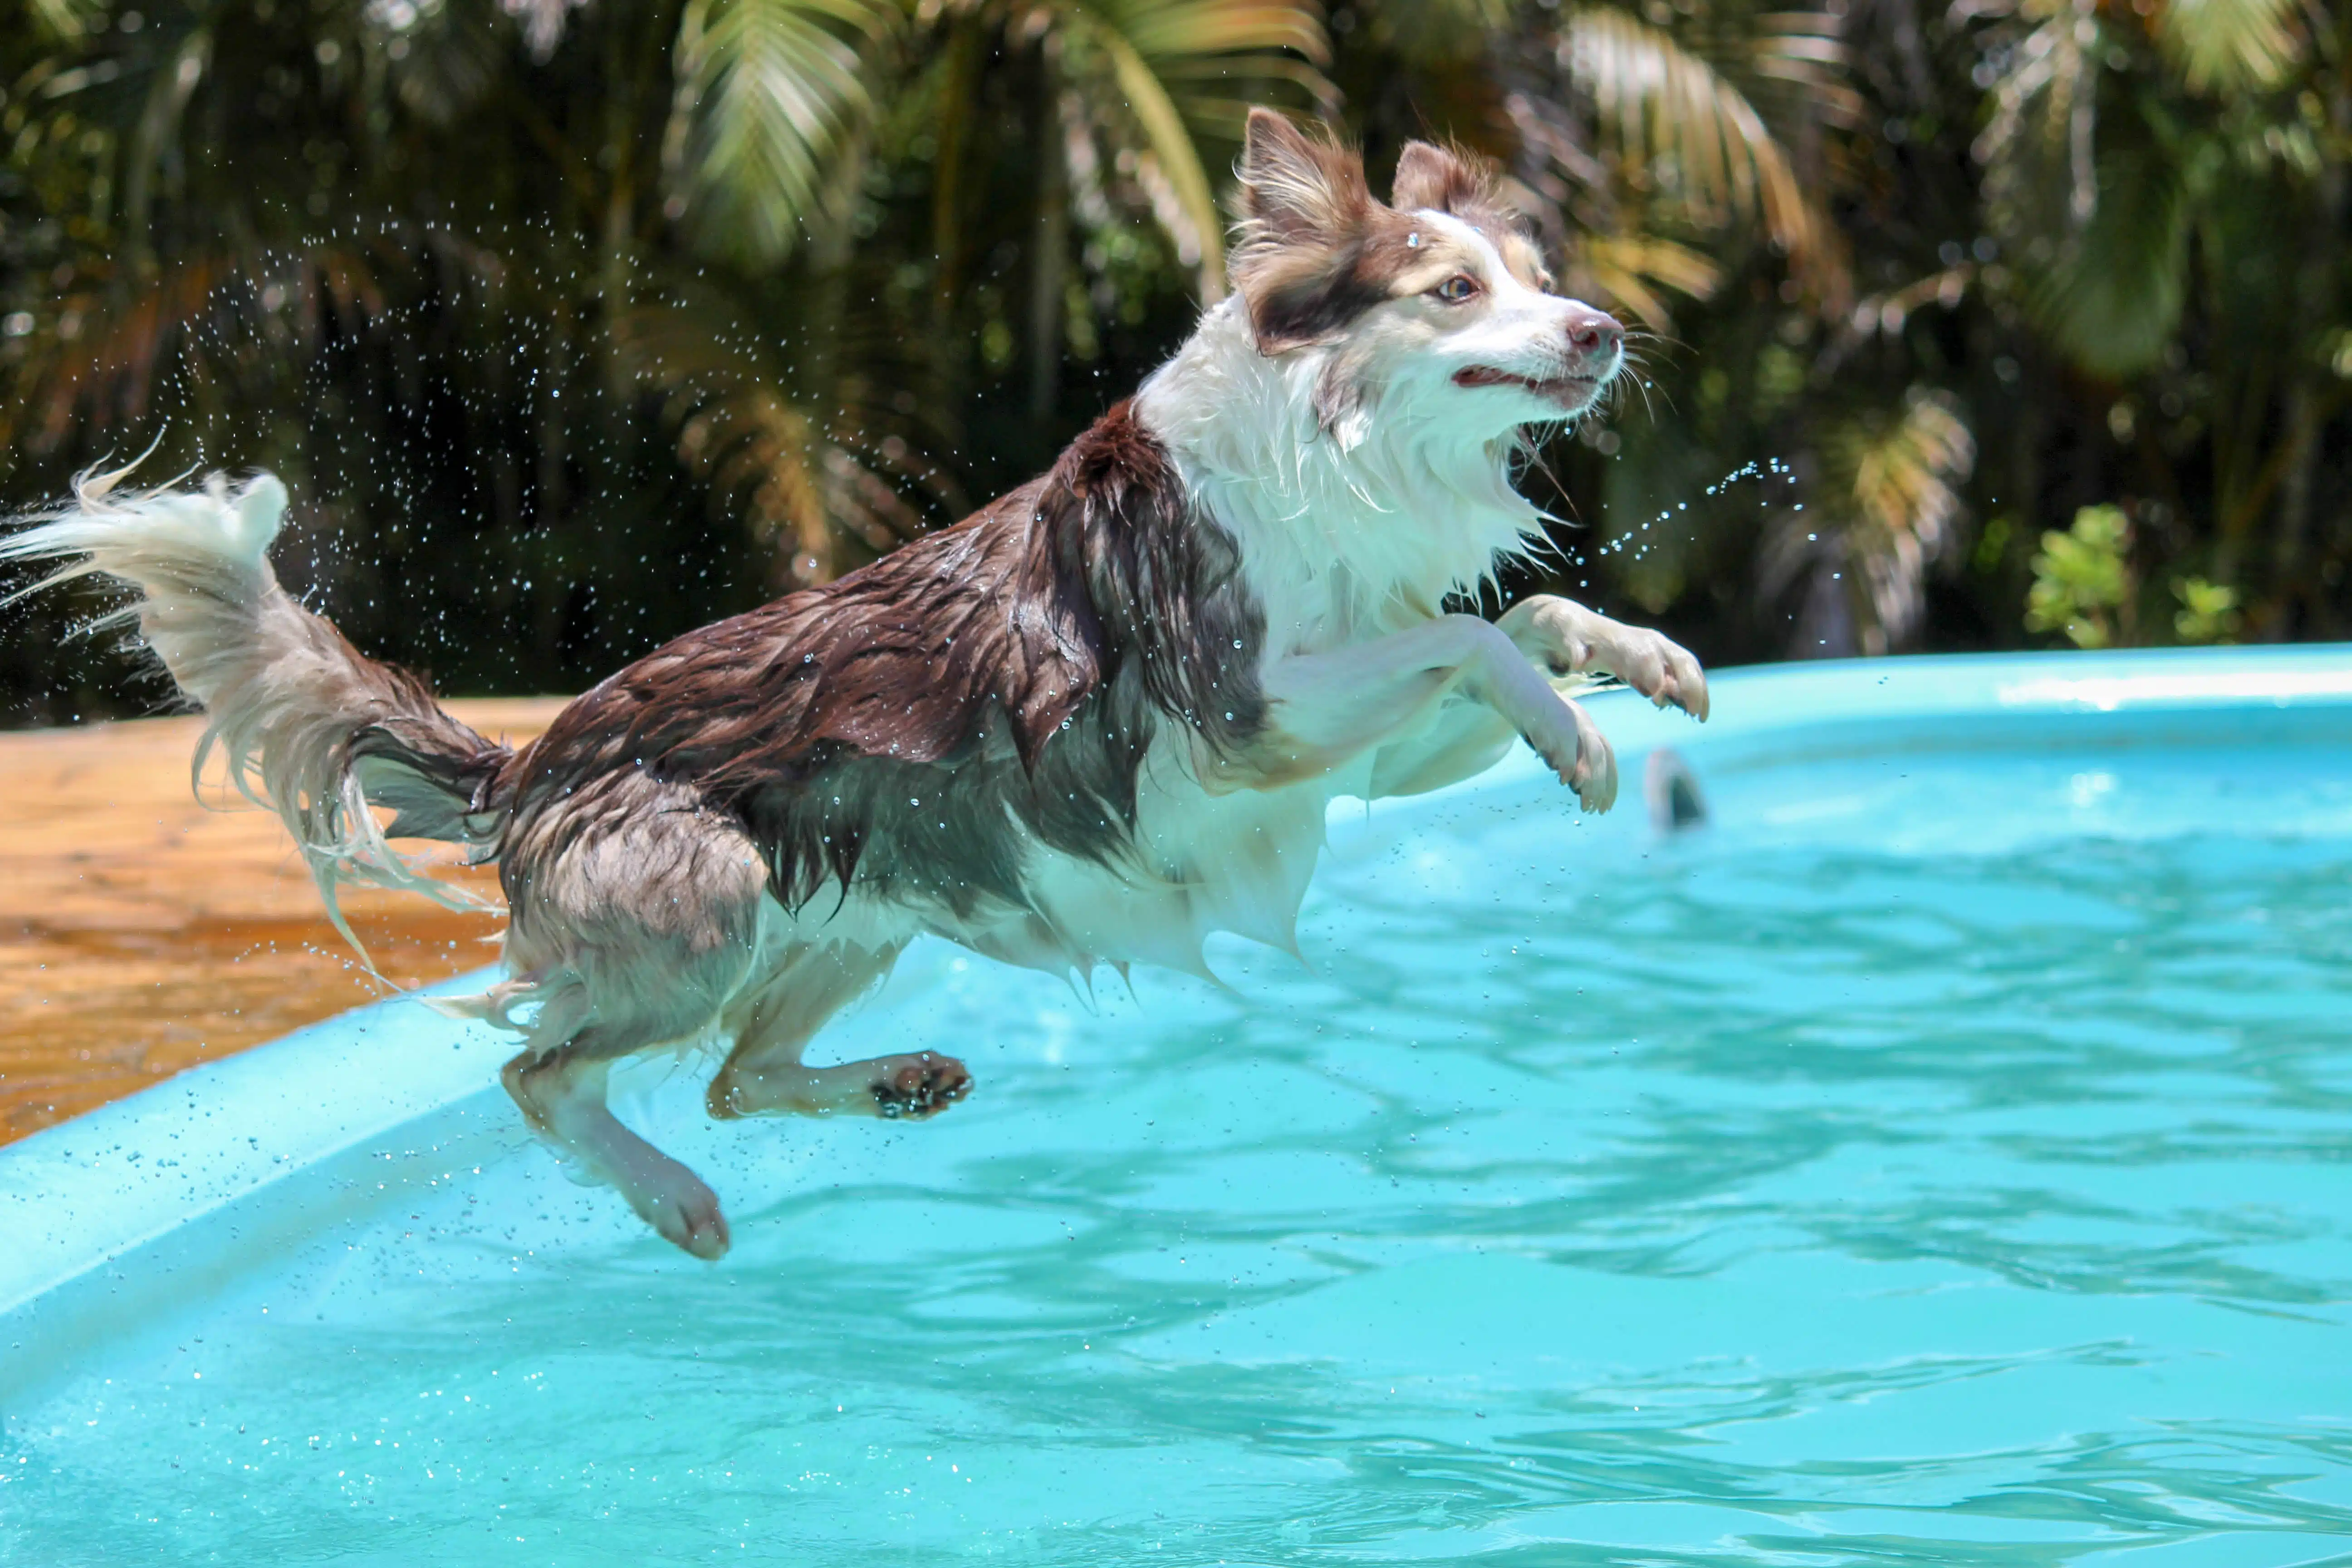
(1437, 299)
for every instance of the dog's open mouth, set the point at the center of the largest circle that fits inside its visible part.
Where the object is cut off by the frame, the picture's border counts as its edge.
(1568, 391)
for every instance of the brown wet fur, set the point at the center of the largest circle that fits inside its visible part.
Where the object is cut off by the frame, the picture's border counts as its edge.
(892, 729)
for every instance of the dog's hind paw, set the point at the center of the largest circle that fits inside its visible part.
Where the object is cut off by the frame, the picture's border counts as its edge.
(919, 1086)
(683, 1209)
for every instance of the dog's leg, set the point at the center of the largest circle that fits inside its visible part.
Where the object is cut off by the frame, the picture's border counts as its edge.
(1462, 741)
(764, 1075)
(1330, 706)
(561, 1095)
(1565, 638)
(636, 911)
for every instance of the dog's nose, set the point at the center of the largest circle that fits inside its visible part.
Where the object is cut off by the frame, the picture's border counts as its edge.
(1594, 334)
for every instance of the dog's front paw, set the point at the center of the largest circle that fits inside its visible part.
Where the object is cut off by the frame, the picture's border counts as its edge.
(1566, 638)
(1572, 745)
(1660, 670)
(921, 1085)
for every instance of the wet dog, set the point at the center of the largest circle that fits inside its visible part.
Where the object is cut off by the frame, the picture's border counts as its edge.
(1092, 723)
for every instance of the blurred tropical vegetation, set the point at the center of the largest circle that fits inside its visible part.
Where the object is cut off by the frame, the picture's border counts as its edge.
(573, 323)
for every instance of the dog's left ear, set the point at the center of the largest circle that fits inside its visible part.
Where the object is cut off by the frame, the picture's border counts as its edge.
(1436, 179)
(1429, 178)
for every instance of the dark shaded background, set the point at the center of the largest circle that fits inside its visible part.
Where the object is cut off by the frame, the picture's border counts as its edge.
(571, 327)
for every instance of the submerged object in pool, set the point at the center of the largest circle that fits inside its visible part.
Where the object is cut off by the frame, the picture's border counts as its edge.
(1671, 791)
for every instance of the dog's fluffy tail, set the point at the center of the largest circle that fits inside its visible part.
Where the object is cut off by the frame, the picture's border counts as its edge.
(310, 728)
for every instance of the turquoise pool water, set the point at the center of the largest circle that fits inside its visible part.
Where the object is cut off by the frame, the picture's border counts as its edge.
(1945, 1156)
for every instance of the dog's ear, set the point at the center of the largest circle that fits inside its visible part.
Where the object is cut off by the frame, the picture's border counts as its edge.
(1296, 188)
(1306, 216)
(1430, 178)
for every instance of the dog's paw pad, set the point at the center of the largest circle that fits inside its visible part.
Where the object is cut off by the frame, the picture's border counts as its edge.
(922, 1085)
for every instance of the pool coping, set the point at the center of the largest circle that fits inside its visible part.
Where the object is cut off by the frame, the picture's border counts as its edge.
(81, 1201)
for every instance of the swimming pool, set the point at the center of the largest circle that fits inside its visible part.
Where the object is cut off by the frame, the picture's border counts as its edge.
(1945, 1156)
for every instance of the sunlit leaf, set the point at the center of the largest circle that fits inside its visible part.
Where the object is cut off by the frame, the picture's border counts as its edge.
(1629, 270)
(1673, 116)
(1885, 502)
(776, 457)
(67, 18)
(2228, 45)
(769, 93)
(1171, 68)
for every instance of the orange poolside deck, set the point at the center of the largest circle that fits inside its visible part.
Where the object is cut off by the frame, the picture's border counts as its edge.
(142, 931)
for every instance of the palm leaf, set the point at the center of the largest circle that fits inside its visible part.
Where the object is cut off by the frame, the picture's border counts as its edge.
(1891, 483)
(769, 94)
(1673, 116)
(799, 486)
(68, 18)
(2114, 297)
(1171, 146)
(1628, 271)
(2228, 45)
(1884, 502)
(1155, 53)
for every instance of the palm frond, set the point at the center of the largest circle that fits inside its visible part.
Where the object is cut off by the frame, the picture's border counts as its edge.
(2230, 46)
(2114, 295)
(1674, 118)
(1886, 502)
(1173, 69)
(2044, 104)
(1629, 270)
(799, 485)
(1197, 229)
(769, 94)
(95, 357)
(67, 18)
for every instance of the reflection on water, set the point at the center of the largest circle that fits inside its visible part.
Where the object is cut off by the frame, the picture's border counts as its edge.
(1943, 1163)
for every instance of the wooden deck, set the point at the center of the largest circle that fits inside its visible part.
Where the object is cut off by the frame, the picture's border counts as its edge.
(142, 933)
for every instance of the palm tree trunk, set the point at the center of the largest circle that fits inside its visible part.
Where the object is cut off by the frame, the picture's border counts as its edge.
(1049, 269)
(958, 78)
(2306, 410)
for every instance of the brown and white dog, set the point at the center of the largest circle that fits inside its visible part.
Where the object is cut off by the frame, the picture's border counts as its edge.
(1092, 723)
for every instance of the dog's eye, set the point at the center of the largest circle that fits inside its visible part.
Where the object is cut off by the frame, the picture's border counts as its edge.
(1456, 289)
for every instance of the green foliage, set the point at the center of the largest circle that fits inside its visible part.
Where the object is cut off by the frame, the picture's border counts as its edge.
(2083, 580)
(2207, 612)
(586, 320)
(2112, 299)
(771, 96)
(2225, 46)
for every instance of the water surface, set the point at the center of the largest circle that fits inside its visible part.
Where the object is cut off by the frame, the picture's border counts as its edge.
(1936, 1159)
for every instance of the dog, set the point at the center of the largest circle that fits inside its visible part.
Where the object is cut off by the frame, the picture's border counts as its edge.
(1093, 722)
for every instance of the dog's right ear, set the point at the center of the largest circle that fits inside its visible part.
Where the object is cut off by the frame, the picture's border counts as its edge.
(1306, 213)
(1297, 189)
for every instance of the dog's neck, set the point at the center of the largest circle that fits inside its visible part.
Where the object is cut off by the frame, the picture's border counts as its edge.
(1345, 531)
